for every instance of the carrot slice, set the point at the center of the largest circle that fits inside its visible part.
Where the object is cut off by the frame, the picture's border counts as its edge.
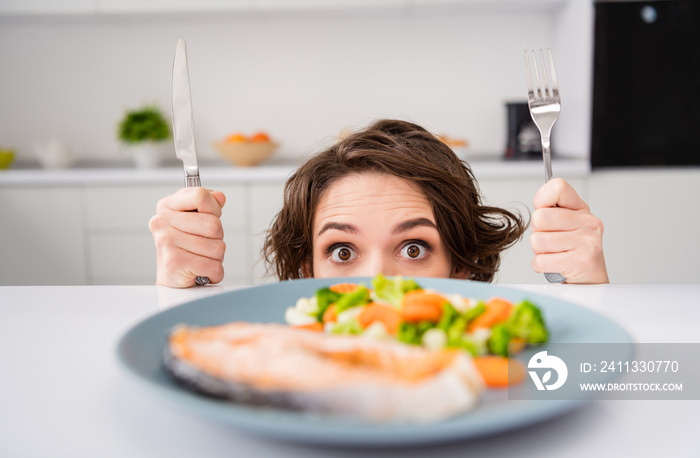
(517, 344)
(330, 314)
(497, 311)
(419, 305)
(499, 371)
(385, 314)
(343, 288)
(315, 326)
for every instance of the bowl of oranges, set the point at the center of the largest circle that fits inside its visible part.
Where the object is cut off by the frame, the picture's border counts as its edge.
(246, 150)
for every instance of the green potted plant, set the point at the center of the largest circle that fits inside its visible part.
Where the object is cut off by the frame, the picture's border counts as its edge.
(145, 131)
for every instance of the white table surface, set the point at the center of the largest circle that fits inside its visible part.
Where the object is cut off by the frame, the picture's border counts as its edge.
(63, 395)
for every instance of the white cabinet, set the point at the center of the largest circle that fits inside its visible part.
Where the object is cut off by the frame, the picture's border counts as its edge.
(75, 229)
(651, 220)
(265, 202)
(120, 248)
(90, 234)
(127, 259)
(41, 236)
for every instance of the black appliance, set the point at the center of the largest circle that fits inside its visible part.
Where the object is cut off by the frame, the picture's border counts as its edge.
(646, 83)
(523, 137)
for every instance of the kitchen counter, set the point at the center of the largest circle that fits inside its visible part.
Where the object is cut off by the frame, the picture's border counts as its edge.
(109, 176)
(120, 174)
(63, 395)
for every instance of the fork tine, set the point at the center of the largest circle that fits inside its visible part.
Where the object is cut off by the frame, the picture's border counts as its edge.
(545, 83)
(553, 75)
(528, 75)
(538, 88)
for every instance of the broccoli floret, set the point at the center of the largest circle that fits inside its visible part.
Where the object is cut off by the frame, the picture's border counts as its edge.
(475, 311)
(456, 338)
(526, 322)
(392, 289)
(499, 340)
(449, 315)
(454, 324)
(455, 332)
(408, 333)
(412, 333)
(465, 343)
(343, 301)
(348, 300)
(324, 298)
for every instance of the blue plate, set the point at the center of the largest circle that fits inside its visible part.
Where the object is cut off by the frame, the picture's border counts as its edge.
(140, 351)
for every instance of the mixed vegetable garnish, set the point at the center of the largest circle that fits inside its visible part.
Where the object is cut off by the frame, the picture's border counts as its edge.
(397, 307)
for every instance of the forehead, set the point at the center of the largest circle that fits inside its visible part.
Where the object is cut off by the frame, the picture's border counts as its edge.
(372, 193)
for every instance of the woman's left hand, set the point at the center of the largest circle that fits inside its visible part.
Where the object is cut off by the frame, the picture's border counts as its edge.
(566, 238)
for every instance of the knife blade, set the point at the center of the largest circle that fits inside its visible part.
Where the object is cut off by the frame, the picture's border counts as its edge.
(183, 119)
(183, 123)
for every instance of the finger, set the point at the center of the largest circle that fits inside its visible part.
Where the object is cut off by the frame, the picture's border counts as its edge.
(182, 257)
(179, 268)
(192, 199)
(166, 226)
(550, 219)
(219, 196)
(553, 263)
(195, 223)
(167, 238)
(553, 242)
(557, 192)
(200, 246)
(585, 264)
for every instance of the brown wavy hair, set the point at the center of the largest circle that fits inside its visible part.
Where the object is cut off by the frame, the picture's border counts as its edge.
(474, 234)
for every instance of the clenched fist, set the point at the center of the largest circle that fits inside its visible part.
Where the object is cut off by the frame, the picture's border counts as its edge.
(189, 237)
(566, 237)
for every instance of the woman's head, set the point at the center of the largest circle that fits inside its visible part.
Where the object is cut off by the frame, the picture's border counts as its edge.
(386, 189)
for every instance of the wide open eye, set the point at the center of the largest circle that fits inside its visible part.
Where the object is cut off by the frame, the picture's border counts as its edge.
(342, 253)
(414, 250)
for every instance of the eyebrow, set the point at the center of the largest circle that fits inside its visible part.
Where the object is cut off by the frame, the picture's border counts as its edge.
(400, 228)
(412, 223)
(339, 227)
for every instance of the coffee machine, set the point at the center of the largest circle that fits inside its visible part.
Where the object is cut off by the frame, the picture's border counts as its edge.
(523, 136)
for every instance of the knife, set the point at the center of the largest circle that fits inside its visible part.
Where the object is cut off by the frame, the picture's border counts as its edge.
(183, 123)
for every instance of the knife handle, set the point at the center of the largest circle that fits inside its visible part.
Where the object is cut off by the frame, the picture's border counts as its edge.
(555, 278)
(195, 182)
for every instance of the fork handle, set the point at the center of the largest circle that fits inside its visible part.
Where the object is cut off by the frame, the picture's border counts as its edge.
(547, 156)
(547, 159)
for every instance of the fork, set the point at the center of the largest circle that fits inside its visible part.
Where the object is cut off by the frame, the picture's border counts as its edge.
(545, 104)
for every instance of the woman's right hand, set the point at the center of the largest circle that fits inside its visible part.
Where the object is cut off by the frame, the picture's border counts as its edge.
(189, 237)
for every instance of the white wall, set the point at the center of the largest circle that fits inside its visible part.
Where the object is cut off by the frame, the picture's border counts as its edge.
(302, 76)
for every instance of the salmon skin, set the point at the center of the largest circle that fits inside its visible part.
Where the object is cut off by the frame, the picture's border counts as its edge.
(356, 377)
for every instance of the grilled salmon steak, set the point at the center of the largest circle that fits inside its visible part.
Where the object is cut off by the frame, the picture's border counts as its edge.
(279, 366)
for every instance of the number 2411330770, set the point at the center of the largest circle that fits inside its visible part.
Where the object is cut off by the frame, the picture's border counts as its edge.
(635, 366)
